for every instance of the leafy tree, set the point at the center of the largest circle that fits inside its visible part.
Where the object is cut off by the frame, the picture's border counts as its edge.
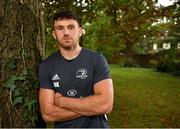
(99, 35)
(114, 27)
(170, 60)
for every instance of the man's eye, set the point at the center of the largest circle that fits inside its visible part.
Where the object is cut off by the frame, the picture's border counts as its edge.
(71, 27)
(59, 28)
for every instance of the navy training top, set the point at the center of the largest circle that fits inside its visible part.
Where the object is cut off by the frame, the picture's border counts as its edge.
(75, 78)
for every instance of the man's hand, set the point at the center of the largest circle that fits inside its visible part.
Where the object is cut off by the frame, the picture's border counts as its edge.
(57, 99)
(57, 94)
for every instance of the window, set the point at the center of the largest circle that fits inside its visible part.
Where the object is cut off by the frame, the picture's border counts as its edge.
(166, 45)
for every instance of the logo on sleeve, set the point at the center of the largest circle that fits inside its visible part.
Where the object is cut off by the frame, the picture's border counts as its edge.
(81, 73)
(55, 80)
(56, 84)
(55, 77)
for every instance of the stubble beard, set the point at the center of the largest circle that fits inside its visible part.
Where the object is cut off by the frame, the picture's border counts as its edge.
(69, 47)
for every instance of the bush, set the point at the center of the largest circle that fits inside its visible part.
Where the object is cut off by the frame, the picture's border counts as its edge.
(130, 62)
(153, 63)
(170, 61)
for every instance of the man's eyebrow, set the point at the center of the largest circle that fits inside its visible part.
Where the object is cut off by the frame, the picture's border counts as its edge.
(59, 26)
(71, 25)
(65, 26)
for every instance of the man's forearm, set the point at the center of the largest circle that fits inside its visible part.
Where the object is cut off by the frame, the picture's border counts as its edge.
(101, 102)
(56, 114)
(88, 106)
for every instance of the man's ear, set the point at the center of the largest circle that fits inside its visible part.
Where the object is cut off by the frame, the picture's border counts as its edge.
(80, 32)
(53, 34)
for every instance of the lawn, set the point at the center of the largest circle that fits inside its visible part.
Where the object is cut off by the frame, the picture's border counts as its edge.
(144, 98)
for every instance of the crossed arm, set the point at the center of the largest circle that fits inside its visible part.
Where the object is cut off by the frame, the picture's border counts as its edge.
(55, 107)
(51, 112)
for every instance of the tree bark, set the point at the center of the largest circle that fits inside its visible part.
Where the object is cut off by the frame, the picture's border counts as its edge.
(22, 42)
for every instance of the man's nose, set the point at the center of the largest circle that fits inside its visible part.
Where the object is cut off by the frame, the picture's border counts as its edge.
(66, 35)
(66, 32)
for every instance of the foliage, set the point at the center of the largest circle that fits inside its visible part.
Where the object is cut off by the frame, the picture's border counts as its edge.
(169, 33)
(115, 27)
(133, 20)
(23, 95)
(98, 35)
(170, 61)
(130, 62)
(22, 89)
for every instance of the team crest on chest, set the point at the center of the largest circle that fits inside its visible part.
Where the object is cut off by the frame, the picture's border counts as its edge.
(82, 73)
(72, 93)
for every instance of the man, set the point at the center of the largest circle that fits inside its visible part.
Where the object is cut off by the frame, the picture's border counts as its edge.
(75, 87)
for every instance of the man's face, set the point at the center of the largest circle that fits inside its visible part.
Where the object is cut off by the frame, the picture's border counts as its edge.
(67, 32)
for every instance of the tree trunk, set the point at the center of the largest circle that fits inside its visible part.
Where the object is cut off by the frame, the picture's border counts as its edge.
(21, 36)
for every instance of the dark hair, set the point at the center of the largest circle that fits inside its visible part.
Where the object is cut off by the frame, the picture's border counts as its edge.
(67, 14)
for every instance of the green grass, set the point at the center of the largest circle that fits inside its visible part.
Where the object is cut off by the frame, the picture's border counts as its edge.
(144, 99)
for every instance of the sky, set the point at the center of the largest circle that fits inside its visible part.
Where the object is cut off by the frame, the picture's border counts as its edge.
(165, 2)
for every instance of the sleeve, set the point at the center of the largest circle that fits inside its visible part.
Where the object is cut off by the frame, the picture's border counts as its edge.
(44, 77)
(101, 69)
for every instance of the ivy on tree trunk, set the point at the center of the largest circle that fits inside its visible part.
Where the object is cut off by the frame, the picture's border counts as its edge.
(21, 44)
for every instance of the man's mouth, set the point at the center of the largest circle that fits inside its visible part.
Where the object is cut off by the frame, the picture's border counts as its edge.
(66, 38)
